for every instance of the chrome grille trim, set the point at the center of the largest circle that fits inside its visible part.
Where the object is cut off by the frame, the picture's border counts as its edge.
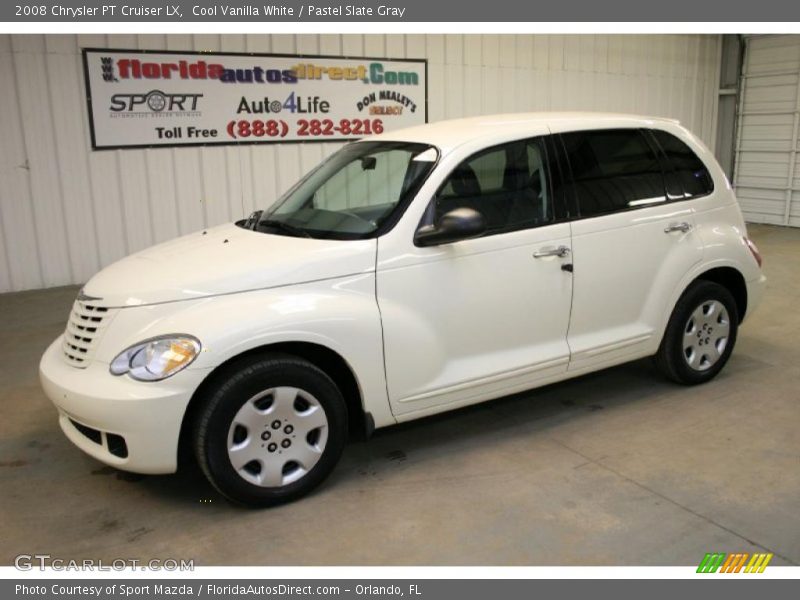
(84, 327)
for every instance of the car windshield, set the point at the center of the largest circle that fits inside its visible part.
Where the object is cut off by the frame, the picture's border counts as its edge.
(352, 193)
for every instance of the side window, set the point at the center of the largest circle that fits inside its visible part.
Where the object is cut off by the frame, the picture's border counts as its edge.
(507, 184)
(613, 170)
(690, 170)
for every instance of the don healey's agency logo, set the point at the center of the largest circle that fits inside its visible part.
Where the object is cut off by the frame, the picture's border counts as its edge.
(738, 562)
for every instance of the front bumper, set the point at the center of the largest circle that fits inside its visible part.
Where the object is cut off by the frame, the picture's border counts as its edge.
(96, 409)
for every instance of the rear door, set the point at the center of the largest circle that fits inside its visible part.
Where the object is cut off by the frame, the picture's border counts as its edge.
(632, 244)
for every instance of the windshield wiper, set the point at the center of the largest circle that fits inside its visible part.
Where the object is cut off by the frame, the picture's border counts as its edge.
(283, 226)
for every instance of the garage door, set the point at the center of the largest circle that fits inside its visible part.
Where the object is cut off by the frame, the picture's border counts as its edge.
(767, 176)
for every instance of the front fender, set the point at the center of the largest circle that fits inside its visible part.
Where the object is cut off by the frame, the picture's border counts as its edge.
(340, 314)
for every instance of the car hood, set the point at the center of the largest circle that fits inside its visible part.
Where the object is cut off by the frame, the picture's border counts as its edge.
(224, 260)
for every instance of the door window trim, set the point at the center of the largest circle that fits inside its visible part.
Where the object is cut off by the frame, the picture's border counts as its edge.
(429, 212)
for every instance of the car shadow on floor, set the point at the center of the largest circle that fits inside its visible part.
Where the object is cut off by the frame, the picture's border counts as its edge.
(533, 412)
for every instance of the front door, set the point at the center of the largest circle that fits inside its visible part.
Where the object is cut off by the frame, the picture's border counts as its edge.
(480, 318)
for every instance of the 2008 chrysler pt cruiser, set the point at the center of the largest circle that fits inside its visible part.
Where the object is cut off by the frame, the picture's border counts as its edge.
(410, 273)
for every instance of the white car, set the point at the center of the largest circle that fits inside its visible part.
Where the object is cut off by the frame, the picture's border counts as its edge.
(410, 273)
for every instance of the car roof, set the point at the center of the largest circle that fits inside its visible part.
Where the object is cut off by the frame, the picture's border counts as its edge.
(451, 133)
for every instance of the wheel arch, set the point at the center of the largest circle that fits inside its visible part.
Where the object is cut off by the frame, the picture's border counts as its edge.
(726, 274)
(731, 279)
(360, 422)
(670, 357)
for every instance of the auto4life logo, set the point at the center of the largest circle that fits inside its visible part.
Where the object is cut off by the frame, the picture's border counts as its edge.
(738, 562)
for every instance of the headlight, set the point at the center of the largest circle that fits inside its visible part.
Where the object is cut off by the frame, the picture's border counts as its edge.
(158, 358)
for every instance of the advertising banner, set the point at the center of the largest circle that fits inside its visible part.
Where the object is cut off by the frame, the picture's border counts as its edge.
(141, 99)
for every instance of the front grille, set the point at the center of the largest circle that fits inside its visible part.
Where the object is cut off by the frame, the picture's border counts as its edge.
(85, 324)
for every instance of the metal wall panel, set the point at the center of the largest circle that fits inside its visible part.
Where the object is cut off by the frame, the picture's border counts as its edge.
(66, 211)
(766, 176)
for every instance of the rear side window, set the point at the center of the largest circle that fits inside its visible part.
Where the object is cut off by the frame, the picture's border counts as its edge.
(690, 170)
(613, 170)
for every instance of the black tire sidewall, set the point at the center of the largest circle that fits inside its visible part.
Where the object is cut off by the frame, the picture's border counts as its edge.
(225, 400)
(672, 358)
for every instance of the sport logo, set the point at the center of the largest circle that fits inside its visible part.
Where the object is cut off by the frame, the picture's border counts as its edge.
(155, 101)
(721, 562)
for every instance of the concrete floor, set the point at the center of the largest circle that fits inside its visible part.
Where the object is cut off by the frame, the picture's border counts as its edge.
(616, 468)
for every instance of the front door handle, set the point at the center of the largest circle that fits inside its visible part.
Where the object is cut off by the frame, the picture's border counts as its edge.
(684, 227)
(561, 252)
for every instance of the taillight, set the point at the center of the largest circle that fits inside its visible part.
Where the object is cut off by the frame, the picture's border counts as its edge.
(753, 250)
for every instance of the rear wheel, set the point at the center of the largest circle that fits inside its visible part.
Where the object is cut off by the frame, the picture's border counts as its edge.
(700, 335)
(271, 430)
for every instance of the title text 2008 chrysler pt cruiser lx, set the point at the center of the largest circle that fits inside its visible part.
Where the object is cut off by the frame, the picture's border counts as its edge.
(410, 273)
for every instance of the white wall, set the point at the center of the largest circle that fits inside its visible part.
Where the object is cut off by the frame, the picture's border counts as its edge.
(66, 211)
(767, 174)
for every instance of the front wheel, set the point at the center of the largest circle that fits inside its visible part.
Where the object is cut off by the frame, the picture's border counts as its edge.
(700, 334)
(270, 430)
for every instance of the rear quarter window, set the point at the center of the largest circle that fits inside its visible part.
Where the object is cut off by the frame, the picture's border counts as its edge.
(690, 170)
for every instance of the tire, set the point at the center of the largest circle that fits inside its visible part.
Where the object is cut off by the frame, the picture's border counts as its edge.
(270, 430)
(700, 335)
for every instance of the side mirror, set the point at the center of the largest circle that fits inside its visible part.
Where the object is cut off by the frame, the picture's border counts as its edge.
(458, 224)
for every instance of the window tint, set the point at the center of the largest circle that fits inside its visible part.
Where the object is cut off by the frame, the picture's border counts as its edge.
(690, 170)
(613, 170)
(507, 184)
(489, 169)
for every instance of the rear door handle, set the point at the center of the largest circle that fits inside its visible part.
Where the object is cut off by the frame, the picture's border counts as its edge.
(684, 227)
(561, 252)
